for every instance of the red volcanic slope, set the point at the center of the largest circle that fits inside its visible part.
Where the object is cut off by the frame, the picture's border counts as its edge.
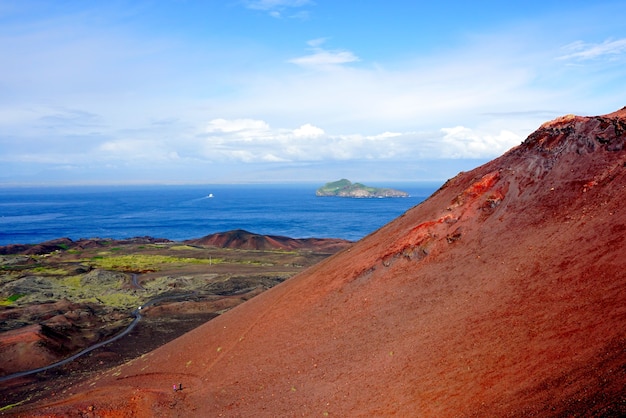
(504, 294)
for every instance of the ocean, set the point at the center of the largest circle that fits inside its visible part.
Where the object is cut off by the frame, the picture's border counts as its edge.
(30, 215)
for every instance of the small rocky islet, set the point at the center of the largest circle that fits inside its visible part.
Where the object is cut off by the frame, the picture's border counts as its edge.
(345, 188)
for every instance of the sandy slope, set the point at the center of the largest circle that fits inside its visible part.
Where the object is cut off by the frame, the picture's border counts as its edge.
(502, 295)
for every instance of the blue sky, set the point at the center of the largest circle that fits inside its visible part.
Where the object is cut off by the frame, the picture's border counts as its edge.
(176, 91)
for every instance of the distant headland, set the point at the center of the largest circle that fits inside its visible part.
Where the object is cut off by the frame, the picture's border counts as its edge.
(345, 188)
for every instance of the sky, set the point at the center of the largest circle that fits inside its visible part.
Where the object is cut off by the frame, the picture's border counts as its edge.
(249, 91)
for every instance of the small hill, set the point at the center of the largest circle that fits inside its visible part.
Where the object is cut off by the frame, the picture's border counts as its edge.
(241, 239)
(502, 295)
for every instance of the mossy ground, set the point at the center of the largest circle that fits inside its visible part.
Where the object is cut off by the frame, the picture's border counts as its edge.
(163, 268)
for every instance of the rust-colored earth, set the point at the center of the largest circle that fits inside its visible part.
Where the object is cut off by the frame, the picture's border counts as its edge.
(62, 297)
(504, 294)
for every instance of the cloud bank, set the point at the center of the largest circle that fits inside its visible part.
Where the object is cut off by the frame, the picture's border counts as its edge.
(242, 90)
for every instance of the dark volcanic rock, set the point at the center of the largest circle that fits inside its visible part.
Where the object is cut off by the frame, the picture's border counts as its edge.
(61, 244)
(37, 249)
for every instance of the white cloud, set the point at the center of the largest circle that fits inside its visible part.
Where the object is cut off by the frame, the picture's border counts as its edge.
(245, 156)
(583, 51)
(384, 135)
(242, 126)
(325, 58)
(322, 58)
(254, 141)
(308, 131)
(317, 42)
(271, 158)
(462, 142)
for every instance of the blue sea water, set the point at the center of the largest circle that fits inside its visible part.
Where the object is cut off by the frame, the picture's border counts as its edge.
(31, 215)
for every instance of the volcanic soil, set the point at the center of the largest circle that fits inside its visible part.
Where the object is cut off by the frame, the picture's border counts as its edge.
(503, 294)
(60, 297)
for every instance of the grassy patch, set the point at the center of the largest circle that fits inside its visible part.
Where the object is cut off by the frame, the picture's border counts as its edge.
(157, 246)
(72, 282)
(49, 271)
(110, 294)
(143, 262)
(9, 301)
(15, 297)
(183, 247)
(119, 300)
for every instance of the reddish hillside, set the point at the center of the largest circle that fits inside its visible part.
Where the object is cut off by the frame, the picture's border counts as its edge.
(240, 239)
(501, 295)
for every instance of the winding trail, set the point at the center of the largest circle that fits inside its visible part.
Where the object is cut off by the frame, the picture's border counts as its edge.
(137, 317)
(134, 283)
(128, 329)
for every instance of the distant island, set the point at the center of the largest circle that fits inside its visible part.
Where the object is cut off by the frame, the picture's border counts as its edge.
(345, 188)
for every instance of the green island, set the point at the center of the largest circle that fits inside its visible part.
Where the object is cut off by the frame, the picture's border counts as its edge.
(345, 188)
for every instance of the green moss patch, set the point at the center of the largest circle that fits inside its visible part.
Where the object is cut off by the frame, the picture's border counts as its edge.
(119, 300)
(145, 262)
(11, 299)
(48, 271)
